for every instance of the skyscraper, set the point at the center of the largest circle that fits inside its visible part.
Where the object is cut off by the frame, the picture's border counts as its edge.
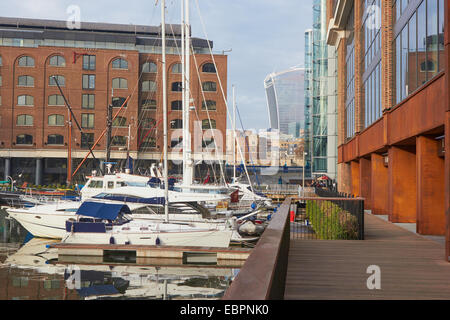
(285, 98)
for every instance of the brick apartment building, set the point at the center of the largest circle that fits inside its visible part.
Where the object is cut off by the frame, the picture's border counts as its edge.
(97, 65)
(394, 108)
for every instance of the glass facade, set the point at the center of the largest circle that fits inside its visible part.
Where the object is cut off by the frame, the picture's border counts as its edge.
(419, 44)
(350, 84)
(308, 101)
(372, 61)
(324, 96)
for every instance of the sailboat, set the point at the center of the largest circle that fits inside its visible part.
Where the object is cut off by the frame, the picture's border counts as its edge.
(110, 223)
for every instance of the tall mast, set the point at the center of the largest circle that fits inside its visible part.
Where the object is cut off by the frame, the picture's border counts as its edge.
(188, 172)
(164, 80)
(69, 150)
(234, 136)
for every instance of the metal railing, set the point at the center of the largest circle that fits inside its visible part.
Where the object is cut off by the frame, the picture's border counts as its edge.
(328, 218)
(263, 276)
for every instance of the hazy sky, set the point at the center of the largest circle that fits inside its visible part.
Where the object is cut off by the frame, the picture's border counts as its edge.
(264, 35)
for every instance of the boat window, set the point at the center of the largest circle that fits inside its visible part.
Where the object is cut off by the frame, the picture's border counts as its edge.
(96, 184)
(110, 184)
(136, 184)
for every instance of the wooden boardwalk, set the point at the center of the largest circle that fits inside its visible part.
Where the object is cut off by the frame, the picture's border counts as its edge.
(412, 267)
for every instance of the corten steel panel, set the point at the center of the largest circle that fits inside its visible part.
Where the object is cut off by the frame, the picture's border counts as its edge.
(341, 153)
(420, 113)
(365, 174)
(379, 185)
(344, 181)
(447, 185)
(402, 185)
(355, 178)
(430, 187)
(371, 139)
(350, 150)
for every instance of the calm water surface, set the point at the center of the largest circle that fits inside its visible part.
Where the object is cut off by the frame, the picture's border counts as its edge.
(31, 271)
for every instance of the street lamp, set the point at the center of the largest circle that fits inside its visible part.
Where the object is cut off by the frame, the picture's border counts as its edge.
(12, 182)
(303, 186)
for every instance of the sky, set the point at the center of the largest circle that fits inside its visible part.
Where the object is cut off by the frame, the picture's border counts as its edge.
(264, 36)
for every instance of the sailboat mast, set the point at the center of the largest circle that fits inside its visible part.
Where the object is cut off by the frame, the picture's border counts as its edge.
(188, 172)
(234, 136)
(164, 84)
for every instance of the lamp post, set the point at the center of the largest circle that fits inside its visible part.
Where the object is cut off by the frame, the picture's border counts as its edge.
(303, 186)
(12, 182)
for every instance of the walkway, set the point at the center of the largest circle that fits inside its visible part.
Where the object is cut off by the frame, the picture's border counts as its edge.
(412, 267)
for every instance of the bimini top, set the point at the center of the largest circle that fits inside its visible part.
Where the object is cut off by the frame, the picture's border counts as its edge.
(108, 211)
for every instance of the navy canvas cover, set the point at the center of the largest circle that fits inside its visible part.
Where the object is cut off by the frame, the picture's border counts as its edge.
(99, 210)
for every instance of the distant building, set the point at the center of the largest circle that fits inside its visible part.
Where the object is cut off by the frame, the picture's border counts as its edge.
(285, 98)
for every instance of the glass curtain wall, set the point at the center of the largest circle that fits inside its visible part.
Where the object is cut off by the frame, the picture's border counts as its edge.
(350, 65)
(320, 84)
(308, 101)
(372, 61)
(419, 44)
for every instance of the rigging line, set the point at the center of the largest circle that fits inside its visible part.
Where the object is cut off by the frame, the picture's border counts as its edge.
(222, 90)
(248, 147)
(191, 96)
(209, 118)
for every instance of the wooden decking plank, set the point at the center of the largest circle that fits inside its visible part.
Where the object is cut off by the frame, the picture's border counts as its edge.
(412, 267)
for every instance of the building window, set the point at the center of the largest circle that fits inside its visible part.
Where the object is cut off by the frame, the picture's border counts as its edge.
(350, 79)
(55, 100)
(177, 68)
(209, 86)
(117, 102)
(24, 139)
(148, 142)
(24, 120)
(209, 68)
(419, 46)
(176, 124)
(61, 80)
(55, 120)
(118, 141)
(57, 61)
(1, 63)
(177, 105)
(148, 123)
(120, 64)
(177, 86)
(88, 62)
(148, 86)
(209, 105)
(87, 140)
(88, 81)
(87, 120)
(26, 81)
(372, 60)
(208, 124)
(149, 67)
(0, 80)
(55, 139)
(176, 143)
(119, 83)
(148, 104)
(119, 122)
(26, 61)
(88, 101)
(25, 100)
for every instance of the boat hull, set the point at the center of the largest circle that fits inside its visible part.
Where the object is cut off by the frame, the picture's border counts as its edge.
(207, 238)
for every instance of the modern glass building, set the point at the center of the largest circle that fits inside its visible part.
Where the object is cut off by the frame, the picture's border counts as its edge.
(285, 98)
(323, 115)
(308, 101)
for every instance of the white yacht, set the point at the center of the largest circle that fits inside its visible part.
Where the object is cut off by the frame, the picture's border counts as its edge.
(107, 223)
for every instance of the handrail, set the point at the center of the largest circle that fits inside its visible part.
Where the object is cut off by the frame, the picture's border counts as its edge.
(263, 276)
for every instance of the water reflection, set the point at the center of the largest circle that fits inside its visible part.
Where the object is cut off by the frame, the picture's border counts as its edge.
(30, 270)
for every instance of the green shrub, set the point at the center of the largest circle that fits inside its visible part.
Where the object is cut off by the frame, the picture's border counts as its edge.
(330, 222)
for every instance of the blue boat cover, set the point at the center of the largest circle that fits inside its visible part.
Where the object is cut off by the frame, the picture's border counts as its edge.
(99, 210)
